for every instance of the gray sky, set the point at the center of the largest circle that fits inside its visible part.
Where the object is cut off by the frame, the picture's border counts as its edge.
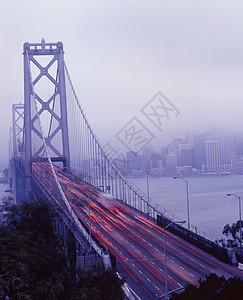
(121, 53)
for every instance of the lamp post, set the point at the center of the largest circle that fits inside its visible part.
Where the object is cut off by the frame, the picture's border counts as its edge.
(147, 176)
(187, 200)
(166, 282)
(240, 220)
(147, 180)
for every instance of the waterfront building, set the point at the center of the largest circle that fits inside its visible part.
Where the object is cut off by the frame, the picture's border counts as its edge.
(134, 161)
(221, 135)
(185, 155)
(173, 147)
(146, 158)
(199, 151)
(212, 156)
(238, 144)
(156, 160)
(217, 151)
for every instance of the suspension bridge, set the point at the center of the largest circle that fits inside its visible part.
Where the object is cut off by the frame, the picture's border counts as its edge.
(55, 154)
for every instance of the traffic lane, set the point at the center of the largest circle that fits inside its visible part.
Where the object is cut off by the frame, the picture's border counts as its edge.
(195, 254)
(195, 260)
(175, 269)
(135, 238)
(155, 249)
(121, 240)
(127, 211)
(146, 268)
(139, 262)
(128, 269)
(70, 190)
(201, 270)
(196, 263)
(204, 259)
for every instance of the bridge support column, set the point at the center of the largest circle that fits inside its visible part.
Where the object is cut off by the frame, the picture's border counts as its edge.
(18, 184)
(13, 181)
(71, 252)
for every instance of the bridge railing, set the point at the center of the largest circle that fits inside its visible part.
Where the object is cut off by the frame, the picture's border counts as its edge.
(195, 239)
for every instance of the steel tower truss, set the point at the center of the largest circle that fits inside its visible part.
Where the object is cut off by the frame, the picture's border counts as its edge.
(18, 129)
(44, 74)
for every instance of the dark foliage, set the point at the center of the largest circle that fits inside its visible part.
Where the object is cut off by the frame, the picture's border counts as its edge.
(212, 288)
(33, 264)
(232, 232)
(102, 285)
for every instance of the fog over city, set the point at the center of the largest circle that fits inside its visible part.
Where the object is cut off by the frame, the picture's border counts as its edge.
(120, 54)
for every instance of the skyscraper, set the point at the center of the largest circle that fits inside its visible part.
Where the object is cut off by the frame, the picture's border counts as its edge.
(199, 151)
(217, 151)
(212, 156)
(221, 135)
(185, 155)
(146, 156)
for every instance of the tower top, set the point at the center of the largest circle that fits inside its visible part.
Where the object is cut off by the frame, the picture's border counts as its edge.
(43, 48)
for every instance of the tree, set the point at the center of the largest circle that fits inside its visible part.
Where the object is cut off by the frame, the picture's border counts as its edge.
(212, 288)
(233, 234)
(33, 264)
(98, 285)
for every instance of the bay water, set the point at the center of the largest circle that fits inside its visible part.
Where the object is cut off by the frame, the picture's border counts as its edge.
(210, 209)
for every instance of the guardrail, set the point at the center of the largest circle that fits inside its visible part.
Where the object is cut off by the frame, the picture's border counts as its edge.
(195, 239)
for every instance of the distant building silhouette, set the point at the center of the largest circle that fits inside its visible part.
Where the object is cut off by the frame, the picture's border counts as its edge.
(212, 156)
(208, 152)
(185, 155)
(134, 162)
(217, 151)
(199, 151)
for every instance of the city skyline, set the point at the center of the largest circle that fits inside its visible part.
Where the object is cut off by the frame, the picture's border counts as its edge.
(216, 151)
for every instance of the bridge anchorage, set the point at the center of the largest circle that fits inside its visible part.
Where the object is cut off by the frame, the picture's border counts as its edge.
(57, 156)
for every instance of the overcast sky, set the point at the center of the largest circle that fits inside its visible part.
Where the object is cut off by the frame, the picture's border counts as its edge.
(121, 53)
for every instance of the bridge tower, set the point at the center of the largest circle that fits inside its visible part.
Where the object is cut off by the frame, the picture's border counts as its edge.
(45, 98)
(17, 181)
(18, 129)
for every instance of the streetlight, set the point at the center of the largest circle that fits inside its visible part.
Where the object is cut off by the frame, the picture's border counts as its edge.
(147, 176)
(240, 220)
(187, 200)
(166, 283)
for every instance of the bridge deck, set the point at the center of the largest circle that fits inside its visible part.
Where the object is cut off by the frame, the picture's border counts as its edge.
(138, 243)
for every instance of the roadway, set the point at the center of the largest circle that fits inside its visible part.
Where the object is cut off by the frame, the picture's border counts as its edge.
(137, 243)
